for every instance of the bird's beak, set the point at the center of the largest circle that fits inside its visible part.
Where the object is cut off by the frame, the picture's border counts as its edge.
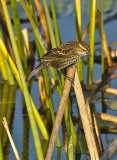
(89, 53)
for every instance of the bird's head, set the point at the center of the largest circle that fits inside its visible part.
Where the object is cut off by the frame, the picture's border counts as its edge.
(84, 48)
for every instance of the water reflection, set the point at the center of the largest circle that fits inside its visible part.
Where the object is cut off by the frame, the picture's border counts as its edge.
(7, 109)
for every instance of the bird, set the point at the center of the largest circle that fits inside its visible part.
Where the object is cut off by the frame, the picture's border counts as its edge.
(62, 56)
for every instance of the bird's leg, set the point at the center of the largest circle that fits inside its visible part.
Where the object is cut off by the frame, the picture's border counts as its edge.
(69, 78)
(66, 77)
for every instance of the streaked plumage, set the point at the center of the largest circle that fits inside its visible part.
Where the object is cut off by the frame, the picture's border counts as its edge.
(62, 56)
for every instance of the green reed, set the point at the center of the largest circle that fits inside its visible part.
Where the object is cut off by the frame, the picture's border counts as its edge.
(17, 25)
(79, 36)
(91, 40)
(58, 41)
(5, 68)
(102, 39)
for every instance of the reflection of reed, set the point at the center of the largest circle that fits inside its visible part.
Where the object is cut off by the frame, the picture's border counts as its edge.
(26, 130)
(7, 110)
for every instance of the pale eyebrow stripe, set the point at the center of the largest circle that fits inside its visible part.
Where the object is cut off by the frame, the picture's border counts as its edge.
(81, 46)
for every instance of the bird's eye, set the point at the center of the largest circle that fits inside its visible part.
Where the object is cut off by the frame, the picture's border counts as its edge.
(84, 50)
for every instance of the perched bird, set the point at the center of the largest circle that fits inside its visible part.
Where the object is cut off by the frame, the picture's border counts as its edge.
(62, 56)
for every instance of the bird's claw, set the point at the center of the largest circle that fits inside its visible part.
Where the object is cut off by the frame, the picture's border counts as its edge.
(70, 79)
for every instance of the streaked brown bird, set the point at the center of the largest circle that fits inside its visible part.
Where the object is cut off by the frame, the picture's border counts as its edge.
(62, 56)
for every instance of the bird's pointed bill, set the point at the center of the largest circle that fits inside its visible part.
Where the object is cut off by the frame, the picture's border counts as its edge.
(89, 53)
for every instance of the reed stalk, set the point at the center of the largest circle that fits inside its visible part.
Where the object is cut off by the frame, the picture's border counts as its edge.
(2, 68)
(17, 25)
(43, 20)
(5, 68)
(91, 40)
(55, 23)
(79, 36)
(86, 121)
(1, 152)
(69, 134)
(51, 32)
(102, 38)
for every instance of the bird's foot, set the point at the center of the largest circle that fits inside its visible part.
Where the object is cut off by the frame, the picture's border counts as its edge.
(70, 79)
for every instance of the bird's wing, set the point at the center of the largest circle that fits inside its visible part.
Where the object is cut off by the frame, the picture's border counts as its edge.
(58, 53)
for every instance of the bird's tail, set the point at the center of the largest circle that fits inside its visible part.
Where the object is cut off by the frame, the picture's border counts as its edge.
(41, 66)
